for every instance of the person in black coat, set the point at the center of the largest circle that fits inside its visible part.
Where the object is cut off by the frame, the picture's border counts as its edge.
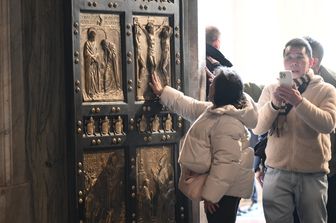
(214, 58)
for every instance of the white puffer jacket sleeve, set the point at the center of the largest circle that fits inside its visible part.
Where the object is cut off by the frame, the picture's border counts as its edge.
(186, 106)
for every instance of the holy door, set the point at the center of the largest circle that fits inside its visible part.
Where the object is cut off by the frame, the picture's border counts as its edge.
(123, 158)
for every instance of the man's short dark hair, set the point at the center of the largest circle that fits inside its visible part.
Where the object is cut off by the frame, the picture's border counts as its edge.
(299, 42)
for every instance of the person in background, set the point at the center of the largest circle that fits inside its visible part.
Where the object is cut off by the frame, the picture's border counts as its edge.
(254, 139)
(218, 139)
(214, 58)
(298, 120)
(254, 91)
(329, 77)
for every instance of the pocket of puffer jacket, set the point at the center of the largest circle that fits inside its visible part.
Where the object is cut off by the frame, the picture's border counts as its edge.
(246, 168)
(243, 184)
(247, 158)
(247, 179)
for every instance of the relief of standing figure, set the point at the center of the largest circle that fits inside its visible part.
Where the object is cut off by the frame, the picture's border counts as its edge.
(119, 126)
(142, 78)
(143, 124)
(105, 126)
(168, 123)
(156, 124)
(146, 201)
(165, 34)
(111, 75)
(91, 64)
(140, 62)
(90, 127)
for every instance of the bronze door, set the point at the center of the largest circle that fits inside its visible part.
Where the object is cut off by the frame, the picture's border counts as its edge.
(123, 158)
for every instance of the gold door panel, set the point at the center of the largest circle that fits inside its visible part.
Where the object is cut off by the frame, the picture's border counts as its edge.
(152, 52)
(155, 184)
(104, 187)
(100, 47)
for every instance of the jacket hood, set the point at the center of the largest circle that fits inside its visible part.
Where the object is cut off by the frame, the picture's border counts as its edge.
(246, 115)
(314, 79)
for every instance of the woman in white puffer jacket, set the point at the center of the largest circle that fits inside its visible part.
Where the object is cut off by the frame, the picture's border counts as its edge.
(217, 141)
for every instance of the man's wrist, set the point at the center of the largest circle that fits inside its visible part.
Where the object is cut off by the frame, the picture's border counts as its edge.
(299, 102)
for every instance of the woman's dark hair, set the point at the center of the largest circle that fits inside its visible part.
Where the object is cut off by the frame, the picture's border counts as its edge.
(228, 88)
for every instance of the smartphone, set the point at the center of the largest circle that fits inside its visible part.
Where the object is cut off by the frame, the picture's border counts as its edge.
(286, 78)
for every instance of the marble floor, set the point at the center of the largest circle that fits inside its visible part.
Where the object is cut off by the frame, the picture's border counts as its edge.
(253, 216)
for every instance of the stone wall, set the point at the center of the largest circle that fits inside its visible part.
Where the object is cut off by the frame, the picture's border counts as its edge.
(14, 181)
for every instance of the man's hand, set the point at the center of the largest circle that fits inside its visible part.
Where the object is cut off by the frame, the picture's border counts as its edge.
(260, 177)
(210, 75)
(276, 99)
(289, 95)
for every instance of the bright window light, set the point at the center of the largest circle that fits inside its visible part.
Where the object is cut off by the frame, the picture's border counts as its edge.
(254, 32)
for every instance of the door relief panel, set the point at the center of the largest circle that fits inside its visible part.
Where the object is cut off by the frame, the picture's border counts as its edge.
(155, 184)
(105, 187)
(152, 37)
(101, 69)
